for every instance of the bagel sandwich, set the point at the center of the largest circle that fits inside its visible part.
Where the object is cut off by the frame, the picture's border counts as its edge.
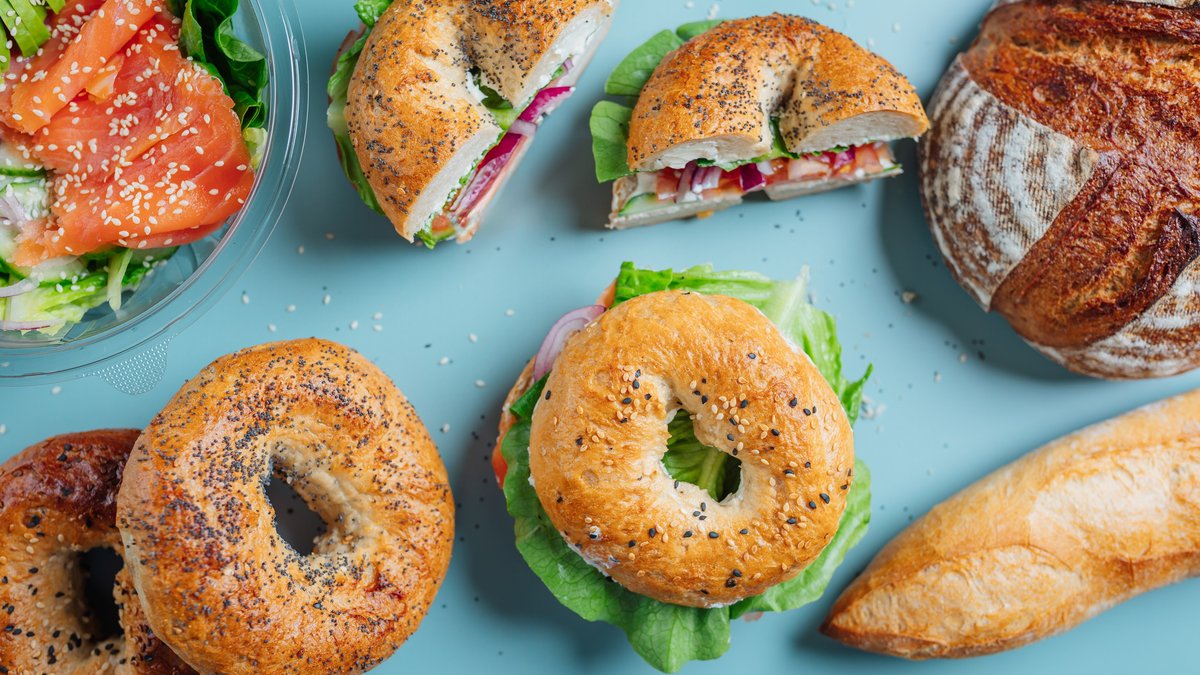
(716, 110)
(644, 457)
(434, 102)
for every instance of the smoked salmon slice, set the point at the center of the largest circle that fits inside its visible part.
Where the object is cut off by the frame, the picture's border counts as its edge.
(36, 100)
(145, 152)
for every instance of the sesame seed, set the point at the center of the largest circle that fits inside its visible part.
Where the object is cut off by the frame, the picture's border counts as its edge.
(713, 535)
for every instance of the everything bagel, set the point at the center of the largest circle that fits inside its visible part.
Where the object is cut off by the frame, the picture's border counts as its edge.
(599, 435)
(57, 500)
(218, 582)
(417, 114)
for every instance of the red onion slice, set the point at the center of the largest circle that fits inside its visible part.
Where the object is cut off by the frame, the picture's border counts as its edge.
(19, 288)
(571, 323)
(28, 325)
(841, 159)
(523, 128)
(685, 182)
(488, 171)
(545, 102)
(751, 178)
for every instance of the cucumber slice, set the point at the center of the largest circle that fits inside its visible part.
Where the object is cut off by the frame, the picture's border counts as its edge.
(56, 5)
(27, 25)
(5, 53)
(641, 204)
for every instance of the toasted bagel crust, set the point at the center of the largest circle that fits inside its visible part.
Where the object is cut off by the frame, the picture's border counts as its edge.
(599, 434)
(217, 580)
(713, 98)
(414, 115)
(57, 499)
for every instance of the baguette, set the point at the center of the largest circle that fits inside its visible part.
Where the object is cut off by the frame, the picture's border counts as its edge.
(1039, 546)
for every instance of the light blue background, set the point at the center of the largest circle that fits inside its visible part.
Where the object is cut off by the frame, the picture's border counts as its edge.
(942, 422)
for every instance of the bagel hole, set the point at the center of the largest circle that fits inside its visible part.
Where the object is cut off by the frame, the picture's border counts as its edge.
(98, 569)
(687, 460)
(296, 522)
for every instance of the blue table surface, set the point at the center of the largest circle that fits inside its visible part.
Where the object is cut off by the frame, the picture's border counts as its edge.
(955, 395)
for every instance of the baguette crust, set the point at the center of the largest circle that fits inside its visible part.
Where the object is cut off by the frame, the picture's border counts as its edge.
(598, 436)
(1041, 545)
(415, 118)
(1081, 257)
(713, 97)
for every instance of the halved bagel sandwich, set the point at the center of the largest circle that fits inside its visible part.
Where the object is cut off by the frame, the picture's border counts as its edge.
(720, 109)
(680, 455)
(433, 102)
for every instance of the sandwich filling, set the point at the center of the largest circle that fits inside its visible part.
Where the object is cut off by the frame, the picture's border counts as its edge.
(701, 181)
(668, 636)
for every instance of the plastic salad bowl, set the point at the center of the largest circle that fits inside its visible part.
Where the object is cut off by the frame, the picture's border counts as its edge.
(127, 346)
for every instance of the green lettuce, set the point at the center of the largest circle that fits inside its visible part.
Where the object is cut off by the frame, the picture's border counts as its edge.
(610, 139)
(669, 636)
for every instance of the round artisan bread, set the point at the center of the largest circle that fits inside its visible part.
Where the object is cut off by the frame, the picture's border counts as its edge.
(218, 582)
(414, 112)
(1061, 180)
(714, 97)
(599, 434)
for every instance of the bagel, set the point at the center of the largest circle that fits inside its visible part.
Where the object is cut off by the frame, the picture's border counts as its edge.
(58, 500)
(599, 435)
(708, 115)
(415, 111)
(1060, 181)
(217, 581)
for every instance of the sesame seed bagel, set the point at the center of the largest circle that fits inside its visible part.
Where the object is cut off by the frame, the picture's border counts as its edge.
(600, 432)
(218, 582)
(414, 112)
(713, 98)
(58, 500)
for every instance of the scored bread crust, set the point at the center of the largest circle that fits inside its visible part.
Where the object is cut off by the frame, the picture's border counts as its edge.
(1060, 180)
(1039, 546)
(415, 117)
(599, 433)
(713, 97)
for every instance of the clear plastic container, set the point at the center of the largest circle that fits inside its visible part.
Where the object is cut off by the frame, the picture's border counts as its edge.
(128, 347)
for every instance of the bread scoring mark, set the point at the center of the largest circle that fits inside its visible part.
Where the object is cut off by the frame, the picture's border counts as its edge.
(1159, 343)
(991, 200)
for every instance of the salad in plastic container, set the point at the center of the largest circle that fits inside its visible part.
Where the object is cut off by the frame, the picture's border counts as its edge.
(147, 149)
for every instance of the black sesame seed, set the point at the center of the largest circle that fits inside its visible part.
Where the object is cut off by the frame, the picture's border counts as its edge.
(695, 513)
(579, 440)
(637, 385)
(745, 531)
(812, 505)
(793, 403)
(713, 535)
(807, 412)
(704, 399)
(687, 535)
(743, 404)
(774, 432)
(653, 533)
(752, 356)
(703, 517)
(593, 535)
(676, 485)
(624, 420)
(632, 543)
(548, 392)
(730, 582)
(789, 472)
(791, 521)
(729, 436)
(824, 497)
(647, 397)
(737, 573)
(703, 506)
(626, 400)
(808, 465)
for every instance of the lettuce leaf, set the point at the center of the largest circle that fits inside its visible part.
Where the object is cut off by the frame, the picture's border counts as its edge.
(634, 71)
(690, 30)
(610, 139)
(669, 636)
